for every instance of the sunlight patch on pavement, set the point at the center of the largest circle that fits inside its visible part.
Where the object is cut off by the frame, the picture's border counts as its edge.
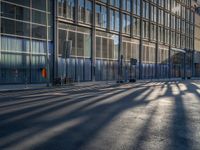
(198, 91)
(182, 87)
(142, 95)
(175, 89)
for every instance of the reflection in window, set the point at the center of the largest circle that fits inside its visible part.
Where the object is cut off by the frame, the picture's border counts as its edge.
(81, 10)
(101, 16)
(85, 11)
(114, 20)
(66, 8)
(126, 24)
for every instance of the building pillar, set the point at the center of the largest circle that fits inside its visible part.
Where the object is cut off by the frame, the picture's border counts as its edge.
(193, 51)
(93, 44)
(55, 39)
(47, 48)
(120, 53)
(141, 40)
(170, 42)
(0, 42)
(157, 41)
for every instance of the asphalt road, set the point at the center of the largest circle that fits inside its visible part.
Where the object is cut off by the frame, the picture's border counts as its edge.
(141, 116)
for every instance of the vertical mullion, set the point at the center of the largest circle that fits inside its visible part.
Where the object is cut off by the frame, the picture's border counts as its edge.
(47, 47)
(30, 44)
(0, 43)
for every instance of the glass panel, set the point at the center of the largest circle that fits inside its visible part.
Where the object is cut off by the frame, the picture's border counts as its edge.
(38, 17)
(20, 2)
(15, 27)
(39, 4)
(80, 44)
(15, 12)
(39, 31)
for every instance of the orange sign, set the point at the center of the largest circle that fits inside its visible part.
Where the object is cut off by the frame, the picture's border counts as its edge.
(44, 73)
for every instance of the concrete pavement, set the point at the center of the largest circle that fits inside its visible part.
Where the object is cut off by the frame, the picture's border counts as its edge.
(142, 116)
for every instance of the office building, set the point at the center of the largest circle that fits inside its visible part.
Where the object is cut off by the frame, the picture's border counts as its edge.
(105, 35)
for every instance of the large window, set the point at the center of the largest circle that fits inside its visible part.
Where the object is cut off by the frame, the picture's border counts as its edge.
(146, 10)
(39, 4)
(88, 12)
(66, 8)
(148, 54)
(153, 13)
(38, 17)
(136, 7)
(130, 49)
(107, 45)
(145, 29)
(85, 11)
(136, 26)
(101, 16)
(166, 36)
(39, 31)
(114, 20)
(15, 27)
(153, 32)
(115, 3)
(160, 17)
(15, 12)
(160, 34)
(126, 5)
(126, 23)
(81, 41)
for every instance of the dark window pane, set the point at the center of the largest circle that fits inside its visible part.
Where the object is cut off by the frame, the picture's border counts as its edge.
(8, 10)
(21, 2)
(7, 26)
(80, 44)
(22, 29)
(50, 5)
(62, 39)
(39, 31)
(39, 4)
(39, 17)
(15, 27)
(98, 46)
(15, 12)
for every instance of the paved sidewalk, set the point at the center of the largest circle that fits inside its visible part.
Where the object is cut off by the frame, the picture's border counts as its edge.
(20, 87)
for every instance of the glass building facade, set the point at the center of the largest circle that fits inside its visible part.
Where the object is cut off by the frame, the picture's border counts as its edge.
(105, 35)
(25, 40)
